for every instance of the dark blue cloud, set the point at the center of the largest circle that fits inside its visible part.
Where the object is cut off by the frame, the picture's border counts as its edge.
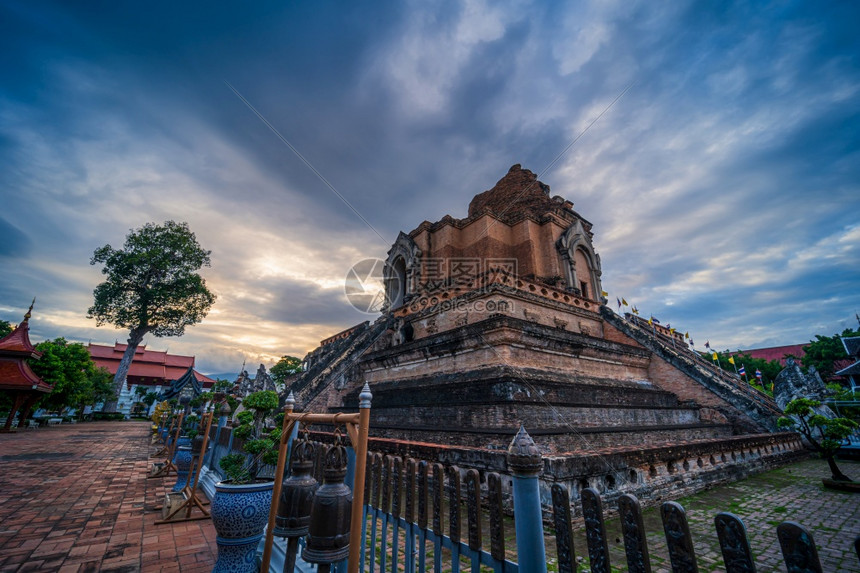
(739, 136)
(13, 242)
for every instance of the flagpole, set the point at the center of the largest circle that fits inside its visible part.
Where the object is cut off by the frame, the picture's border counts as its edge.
(716, 358)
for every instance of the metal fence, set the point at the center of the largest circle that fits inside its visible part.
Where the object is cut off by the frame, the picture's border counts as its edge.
(405, 525)
(413, 523)
(421, 516)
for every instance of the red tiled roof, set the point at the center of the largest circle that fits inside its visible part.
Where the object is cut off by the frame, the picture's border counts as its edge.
(18, 342)
(15, 348)
(148, 366)
(775, 353)
(17, 375)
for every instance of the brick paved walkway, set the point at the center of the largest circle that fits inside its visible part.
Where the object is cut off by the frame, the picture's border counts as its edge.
(75, 498)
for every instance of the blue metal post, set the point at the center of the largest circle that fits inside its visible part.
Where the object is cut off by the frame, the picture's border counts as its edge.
(293, 435)
(525, 463)
(350, 468)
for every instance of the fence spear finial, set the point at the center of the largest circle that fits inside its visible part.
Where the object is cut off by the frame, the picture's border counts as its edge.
(365, 397)
(524, 457)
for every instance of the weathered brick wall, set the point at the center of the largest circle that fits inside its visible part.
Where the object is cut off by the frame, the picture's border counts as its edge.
(505, 414)
(560, 440)
(653, 475)
(667, 377)
(613, 334)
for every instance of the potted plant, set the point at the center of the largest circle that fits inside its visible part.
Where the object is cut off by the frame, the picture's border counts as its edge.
(240, 508)
(824, 434)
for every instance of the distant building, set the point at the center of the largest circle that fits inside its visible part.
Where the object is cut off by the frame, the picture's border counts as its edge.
(151, 368)
(841, 374)
(852, 372)
(777, 353)
(17, 380)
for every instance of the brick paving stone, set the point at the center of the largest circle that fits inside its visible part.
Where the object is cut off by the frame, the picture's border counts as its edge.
(75, 498)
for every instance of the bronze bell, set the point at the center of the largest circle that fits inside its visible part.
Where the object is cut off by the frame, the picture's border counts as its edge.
(297, 493)
(328, 532)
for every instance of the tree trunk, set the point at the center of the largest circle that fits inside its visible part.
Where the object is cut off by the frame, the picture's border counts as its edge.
(135, 337)
(834, 469)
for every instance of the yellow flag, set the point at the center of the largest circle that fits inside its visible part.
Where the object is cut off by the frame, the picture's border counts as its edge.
(604, 294)
(624, 302)
(687, 335)
(715, 356)
(732, 360)
(650, 322)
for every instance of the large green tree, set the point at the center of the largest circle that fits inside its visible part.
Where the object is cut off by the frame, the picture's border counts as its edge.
(825, 351)
(768, 369)
(76, 379)
(824, 434)
(286, 366)
(152, 287)
(5, 328)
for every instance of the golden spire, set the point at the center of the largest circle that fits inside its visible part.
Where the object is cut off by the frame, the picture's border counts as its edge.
(29, 311)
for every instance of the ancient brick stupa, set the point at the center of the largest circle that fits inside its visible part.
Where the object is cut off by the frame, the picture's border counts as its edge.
(498, 320)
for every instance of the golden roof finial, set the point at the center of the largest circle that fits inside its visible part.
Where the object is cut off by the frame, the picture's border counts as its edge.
(29, 310)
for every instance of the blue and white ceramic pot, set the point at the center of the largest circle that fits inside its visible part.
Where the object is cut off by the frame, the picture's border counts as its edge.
(240, 514)
(182, 461)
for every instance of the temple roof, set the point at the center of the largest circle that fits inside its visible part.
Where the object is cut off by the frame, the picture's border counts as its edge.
(17, 375)
(852, 345)
(852, 370)
(17, 342)
(15, 349)
(176, 386)
(777, 353)
(148, 366)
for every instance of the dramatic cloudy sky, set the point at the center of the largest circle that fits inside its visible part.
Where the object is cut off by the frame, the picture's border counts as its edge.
(724, 186)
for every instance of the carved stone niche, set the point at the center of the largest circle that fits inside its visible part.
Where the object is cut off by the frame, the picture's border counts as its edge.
(402, 272)
(580, 263)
